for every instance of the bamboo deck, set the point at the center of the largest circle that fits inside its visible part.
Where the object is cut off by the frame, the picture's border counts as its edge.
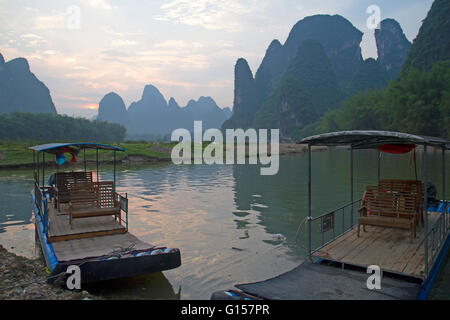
(389, 248)
(60, 230)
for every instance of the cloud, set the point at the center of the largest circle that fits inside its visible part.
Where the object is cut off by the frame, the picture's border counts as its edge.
(30, 40)
(90, 106)
(184, 61)
(50, 52)
(122, 42)
(208, 14)
(52, 21)
(98, 4)
(81, 68)
(179, 44)
(121, 34)
(31, 36)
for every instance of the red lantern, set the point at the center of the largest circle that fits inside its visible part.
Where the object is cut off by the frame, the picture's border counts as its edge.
(396, 148)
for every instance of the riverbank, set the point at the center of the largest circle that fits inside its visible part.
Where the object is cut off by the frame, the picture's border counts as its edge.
(24, 279)
(16, 155)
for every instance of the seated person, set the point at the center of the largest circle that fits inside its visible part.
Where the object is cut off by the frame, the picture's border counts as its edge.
(51, 181)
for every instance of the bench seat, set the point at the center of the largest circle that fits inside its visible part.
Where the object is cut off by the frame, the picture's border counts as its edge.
(384, 221)
(93, 200)
(388, 209)
(65, 182)
(94, 212)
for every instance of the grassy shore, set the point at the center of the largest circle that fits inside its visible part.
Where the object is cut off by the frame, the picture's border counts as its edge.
(18, 154)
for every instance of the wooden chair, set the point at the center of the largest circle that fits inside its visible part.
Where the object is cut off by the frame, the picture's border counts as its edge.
(388, 209)
(94, 200)
(414, 187)
(65, 181)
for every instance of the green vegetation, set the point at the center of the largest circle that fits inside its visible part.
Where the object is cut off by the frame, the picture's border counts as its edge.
(290, 105)
(433, 41)
(369, 75)
(17, 152)
(418, 103)
(306, 91)
(158, 150)
(314, 71)
(20, 126)
(245, 101)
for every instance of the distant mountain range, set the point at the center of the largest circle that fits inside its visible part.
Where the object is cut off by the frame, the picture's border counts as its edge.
(153, 115)
(20, 90)
(319, 66)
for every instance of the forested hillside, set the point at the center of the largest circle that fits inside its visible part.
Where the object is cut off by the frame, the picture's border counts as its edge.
(418, 101)
(18, 126)
(418, 104)
(321, 65)
(432, 44)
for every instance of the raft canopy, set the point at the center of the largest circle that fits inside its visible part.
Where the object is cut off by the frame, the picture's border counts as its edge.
(55, 147)
(373, 139)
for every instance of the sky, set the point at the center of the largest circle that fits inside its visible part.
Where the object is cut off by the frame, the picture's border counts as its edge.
(84, 49)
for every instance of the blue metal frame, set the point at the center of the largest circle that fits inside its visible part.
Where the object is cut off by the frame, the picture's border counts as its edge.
(47, 249)
(429, 283)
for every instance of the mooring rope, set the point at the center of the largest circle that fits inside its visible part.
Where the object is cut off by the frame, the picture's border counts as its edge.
(302, 223)
(300, 226)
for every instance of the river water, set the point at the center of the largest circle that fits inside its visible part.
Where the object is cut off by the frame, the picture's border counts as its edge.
(231, 224)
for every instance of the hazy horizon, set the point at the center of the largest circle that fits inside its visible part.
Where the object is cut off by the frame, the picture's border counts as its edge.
(186, 49)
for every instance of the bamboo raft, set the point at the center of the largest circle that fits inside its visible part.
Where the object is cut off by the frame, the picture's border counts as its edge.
(396, 228)
(84, 222)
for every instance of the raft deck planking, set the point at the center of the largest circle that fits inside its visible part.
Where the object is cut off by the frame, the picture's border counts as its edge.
(390, 248)
(60, 229)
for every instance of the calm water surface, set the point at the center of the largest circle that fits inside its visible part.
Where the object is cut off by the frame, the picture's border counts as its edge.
(223, 218)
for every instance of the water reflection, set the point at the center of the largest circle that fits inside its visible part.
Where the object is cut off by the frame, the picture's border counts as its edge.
(153, 286)
(14, 210)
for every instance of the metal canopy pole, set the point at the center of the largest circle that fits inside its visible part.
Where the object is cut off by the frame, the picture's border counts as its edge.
(114, 171)
(379, 165)
(84, 157)
(425, 206)
(43, 168)
(309, 201)
(444, 203)
(351, 186)
(97, 163)
(34, 164)
(37, 166)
